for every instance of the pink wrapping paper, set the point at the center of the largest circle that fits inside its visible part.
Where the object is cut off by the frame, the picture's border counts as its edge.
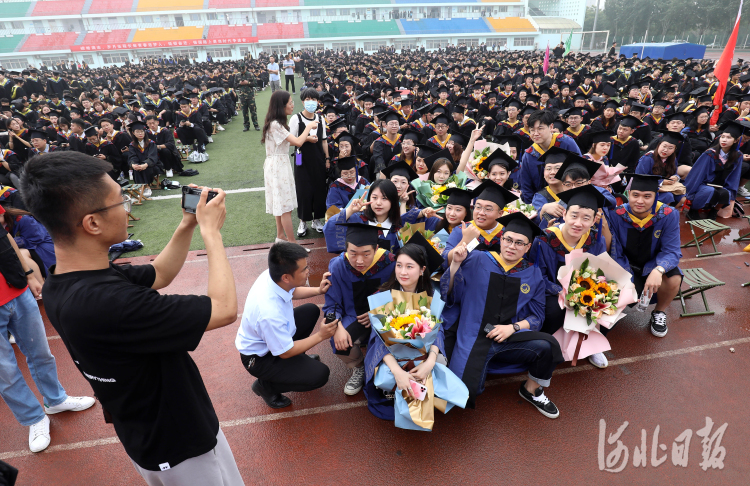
(607, 175)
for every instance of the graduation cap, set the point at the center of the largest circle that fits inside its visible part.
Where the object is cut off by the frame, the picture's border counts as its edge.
(518, 223)
(458, 137)
(489, 191)
(348, 137)
(347, 163)
(601, 136)
(38, 132)
(672, 137)
(441, 154)
(458, 197)
(456, 108)
(587, 196)
(527, 111)
(91, 131)
(361, 234)
(555, 155)
(512, 102)
(400, 169)
(498, 157)
(609, 90)
(735, 129)
(611, 104)
(560, 125)
(577, 162)
(532, 97)
(183, 101)
(640, 108)
(337, 123)
(137, 125)
(120, 111)
(643, 182)
(512, 140)
(630, 121)
(413, 135)
(679, 116)
(441, 118)
(434, 259)
(329, 109)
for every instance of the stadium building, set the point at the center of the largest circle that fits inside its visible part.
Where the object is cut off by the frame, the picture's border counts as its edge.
(107, 32)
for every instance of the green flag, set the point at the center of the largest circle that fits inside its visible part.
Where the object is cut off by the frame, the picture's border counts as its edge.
(568, 43)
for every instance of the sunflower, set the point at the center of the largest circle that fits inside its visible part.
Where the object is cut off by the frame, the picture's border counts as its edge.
(402, 322)
(588, 298)
(602, 288)
(586, 283)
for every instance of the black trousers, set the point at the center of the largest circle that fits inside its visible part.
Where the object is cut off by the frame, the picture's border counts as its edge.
(554, 317)
(188, 135)
(169, 161)
(287, 78)
(299, 373)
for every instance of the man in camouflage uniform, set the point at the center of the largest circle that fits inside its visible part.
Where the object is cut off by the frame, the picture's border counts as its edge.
(244, 85)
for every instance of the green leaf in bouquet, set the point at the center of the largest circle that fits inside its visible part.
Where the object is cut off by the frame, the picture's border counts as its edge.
(599, 272)
(428, 234)
(588, 319)
(579, 290)
(569, 296)
(575, 311)
(584, 265)
(422, 301)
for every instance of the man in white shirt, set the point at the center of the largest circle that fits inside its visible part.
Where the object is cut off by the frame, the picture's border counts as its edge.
(273, 74)
(274, 336)
(288, 65)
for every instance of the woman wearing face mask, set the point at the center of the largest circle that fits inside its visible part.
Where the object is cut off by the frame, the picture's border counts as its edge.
(378, 207)
(715, 177)
(663, 162)
(414, 264)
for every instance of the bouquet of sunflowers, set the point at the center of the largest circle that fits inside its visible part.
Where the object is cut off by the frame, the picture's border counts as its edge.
(437, 240)
(409, 324)
(519, 206)
(595, 290)
(430, 195)
(475, 162)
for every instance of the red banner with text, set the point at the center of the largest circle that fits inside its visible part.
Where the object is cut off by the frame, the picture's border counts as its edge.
(162, 44)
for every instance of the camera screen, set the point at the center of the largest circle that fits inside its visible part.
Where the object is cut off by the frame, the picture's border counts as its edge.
(192, 200)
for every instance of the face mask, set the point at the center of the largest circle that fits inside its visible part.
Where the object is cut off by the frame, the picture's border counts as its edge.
(311, 106)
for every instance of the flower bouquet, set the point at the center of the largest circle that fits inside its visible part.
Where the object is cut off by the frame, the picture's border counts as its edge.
(482, 150)
(595, 290)
(437, 240)
(519, 206)
(409, 324)
(430, 195)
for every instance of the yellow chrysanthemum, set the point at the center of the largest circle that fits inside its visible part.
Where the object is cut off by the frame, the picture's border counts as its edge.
(588, 298)
(438, 189)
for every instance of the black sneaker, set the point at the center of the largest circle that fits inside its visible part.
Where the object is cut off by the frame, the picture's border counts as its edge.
(658, 324)
(540, 401)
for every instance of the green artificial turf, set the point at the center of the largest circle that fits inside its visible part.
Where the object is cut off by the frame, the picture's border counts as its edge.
(236, 162)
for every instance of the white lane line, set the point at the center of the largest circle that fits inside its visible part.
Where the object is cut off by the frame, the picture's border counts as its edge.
(723, 255)
(361, 403)
(231, 191)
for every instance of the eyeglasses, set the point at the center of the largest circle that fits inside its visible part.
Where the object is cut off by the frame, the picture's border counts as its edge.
(572, 184)
(483, 209)
(511, 242)
(407, 144)
(126, 203)
(441, 125)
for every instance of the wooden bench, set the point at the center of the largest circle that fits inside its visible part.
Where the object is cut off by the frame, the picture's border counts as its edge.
(183, 150)
(710, 229)
(135, 191)
(698, 281)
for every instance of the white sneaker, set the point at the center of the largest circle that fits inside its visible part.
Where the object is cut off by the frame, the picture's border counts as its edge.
(11, 338)
(71, 404)
(147, 192)
(170, 173)
(599, 360)
(39, 437)
(220, 128)
(302, 229)
(743, 192)
(210, 140)
(356, 382)
(317, 225)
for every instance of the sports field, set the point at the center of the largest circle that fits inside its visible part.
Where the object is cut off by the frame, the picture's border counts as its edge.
(236, 163)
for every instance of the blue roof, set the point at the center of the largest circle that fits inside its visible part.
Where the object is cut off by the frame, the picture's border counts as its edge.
(662, 44)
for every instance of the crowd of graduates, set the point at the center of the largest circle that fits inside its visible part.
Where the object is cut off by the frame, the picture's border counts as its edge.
(394, 122)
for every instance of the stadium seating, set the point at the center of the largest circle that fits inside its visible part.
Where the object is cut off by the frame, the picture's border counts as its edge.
(104, 38)
(160, 34)
(347, 3)
(436, 26)
(9, 44)
(51, 42)
(231, 3)
(15, 9)
(229, 31)
(278, 3)
(67, 7)
(511, 24)
(352, 29)
(281, 31)
(108, 6)
(162, 5)
(432, 1)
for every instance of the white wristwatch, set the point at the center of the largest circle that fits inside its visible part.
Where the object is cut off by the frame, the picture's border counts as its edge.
(661, 270)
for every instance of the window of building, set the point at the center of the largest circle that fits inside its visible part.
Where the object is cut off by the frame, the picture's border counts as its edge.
(115, 57)
(216, 52)
(344, 11)
(49, 60)
(210, 16)
(195, 17)
(374, 45)
(523, 41)
(88, 59)
(405, 44)
(130, 20)
(191, 53)
(147, 19)
(500, 41)
(15, 63)
(315, 13)
(344, 46)
(469, 42)
(436, 43)
(275, 48)
(243, 51)
(17, 24)
(319, 46)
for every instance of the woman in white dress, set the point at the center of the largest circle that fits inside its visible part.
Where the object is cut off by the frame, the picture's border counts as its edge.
(281, 194)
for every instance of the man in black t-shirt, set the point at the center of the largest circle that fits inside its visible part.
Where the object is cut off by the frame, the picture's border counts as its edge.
(130, 342)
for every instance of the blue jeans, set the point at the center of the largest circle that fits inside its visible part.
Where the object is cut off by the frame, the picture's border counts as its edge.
(21, 317)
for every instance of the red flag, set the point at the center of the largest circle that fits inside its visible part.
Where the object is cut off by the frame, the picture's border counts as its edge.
(546, 59)
(722, 68)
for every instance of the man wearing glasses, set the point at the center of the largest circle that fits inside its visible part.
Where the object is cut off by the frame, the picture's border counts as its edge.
(128, 340)
(389, 144)
(494, 310)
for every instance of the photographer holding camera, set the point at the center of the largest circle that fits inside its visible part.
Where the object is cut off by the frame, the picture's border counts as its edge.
(129, 341)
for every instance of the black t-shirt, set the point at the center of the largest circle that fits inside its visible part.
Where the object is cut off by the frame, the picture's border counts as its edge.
(131, 343)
